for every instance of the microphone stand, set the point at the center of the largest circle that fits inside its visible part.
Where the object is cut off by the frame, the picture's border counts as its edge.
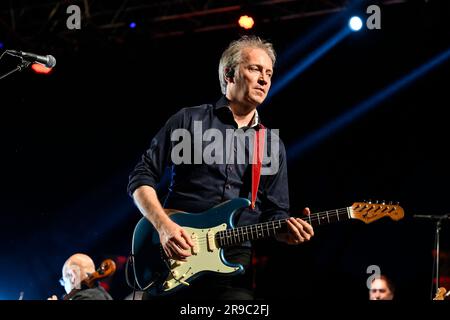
(23, 65)
(438, 219)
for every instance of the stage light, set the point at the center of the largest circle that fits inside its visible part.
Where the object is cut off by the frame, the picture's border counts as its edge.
(357, 111)
(355, 23)
(133, 25)
(39, 68)
(306, 62)
(246, 22)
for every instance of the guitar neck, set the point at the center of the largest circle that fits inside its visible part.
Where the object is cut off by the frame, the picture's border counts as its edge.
(271, 228)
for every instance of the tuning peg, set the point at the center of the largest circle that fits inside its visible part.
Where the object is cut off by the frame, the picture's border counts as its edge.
(390, 202)
(383, 202)
(376, 201)
(397, 203)
(370, 201)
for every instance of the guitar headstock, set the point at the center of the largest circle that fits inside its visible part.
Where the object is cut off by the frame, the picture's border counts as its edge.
(369, 212)
(440, 295)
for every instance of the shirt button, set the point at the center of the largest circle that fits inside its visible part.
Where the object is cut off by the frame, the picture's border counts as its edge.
(230, 168)
(227, 186)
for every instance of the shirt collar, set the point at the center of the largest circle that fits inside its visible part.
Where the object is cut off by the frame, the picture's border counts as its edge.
(224, 103)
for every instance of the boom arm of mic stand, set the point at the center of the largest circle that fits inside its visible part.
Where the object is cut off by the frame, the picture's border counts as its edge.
(23, 65)
(432, 217)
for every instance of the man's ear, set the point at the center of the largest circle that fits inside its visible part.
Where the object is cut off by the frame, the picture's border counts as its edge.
(75, 277)
(72, 277)
(229, 73)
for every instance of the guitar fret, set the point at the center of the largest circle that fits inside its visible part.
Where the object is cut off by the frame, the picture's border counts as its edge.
(272, 228)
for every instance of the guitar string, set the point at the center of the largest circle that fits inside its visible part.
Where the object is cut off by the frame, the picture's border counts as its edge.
(233, 233)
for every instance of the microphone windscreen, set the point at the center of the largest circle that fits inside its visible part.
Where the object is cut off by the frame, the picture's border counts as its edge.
(51, 61)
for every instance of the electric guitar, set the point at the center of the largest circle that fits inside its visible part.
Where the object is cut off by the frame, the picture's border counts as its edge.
(213, 230)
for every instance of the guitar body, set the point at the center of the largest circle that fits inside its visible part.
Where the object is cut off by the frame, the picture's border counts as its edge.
(160, 275)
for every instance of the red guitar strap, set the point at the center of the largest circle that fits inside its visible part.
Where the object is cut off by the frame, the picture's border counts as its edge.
(258, 153)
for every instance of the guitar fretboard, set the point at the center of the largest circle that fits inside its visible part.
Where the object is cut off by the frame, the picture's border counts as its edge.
(267, 229)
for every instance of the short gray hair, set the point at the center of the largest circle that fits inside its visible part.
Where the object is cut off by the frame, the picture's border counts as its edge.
(232, 56)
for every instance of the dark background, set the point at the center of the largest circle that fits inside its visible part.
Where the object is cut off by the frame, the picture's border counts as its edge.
(69, 140)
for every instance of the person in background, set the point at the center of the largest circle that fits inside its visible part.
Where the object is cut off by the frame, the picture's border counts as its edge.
(76, 269)
(381, 288)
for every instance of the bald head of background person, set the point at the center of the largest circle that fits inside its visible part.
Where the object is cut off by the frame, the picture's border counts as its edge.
(76, 269)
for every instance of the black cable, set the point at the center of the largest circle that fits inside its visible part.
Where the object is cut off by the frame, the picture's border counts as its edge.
(127, 278)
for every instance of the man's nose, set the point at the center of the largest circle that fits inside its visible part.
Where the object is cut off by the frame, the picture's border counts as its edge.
(262, 80)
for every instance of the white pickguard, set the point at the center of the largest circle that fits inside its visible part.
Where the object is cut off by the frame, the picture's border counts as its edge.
(205, 257)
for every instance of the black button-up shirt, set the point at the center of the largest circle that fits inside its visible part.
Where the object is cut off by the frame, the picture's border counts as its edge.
(198, 187)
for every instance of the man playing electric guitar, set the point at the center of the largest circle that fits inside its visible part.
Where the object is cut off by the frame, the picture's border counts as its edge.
(205, 147)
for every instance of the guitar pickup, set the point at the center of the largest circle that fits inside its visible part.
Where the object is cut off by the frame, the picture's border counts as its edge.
(210, 241)
(195, 249)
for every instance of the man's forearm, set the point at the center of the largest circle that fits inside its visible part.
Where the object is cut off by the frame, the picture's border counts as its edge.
(148, 203)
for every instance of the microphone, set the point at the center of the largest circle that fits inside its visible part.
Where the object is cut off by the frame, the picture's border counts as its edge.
(49, 61)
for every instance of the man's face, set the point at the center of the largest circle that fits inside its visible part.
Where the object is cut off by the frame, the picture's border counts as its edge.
(71, 278)
(380, 291)
(252, 78)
